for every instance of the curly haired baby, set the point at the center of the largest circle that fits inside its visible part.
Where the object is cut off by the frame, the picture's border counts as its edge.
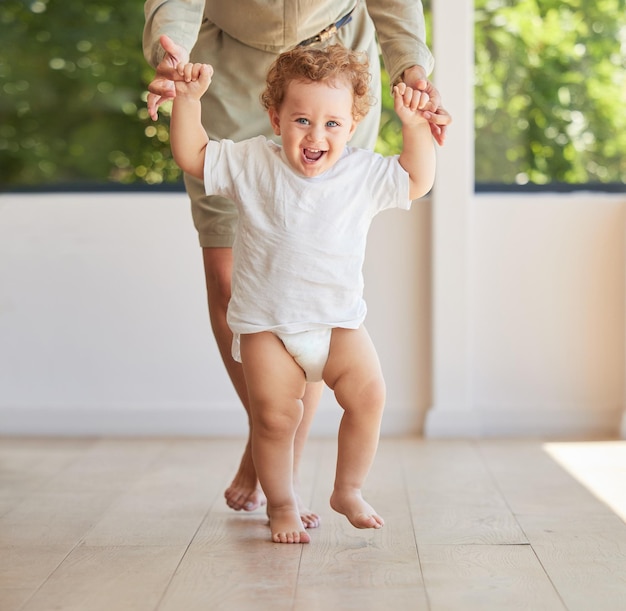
(304, 209)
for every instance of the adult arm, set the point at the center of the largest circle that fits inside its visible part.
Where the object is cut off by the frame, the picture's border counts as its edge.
(401, 33)
(170, 32)
(178, 19)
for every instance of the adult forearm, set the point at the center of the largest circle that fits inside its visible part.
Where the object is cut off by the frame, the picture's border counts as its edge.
(402, 35)
(178, 19)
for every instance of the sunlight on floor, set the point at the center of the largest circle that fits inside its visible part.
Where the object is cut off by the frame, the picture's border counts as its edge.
(600, 466)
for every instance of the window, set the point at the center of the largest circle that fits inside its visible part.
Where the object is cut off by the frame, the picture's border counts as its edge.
(549, 94)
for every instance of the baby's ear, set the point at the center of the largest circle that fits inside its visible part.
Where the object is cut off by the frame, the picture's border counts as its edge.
(354, 126)
(274, 120)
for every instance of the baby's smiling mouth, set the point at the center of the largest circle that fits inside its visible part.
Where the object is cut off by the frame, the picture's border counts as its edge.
(313, 154)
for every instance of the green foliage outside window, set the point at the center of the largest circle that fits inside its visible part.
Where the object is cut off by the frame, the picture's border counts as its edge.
(550, 90)
(72, 101)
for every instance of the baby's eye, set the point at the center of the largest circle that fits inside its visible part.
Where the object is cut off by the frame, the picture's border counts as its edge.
(332, 124)
(302, 121)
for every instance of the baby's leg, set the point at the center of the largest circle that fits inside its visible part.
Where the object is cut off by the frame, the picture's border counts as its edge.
(276, 385)
(354, 373)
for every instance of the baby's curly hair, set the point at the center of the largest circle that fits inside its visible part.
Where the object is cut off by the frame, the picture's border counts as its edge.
(329, 65)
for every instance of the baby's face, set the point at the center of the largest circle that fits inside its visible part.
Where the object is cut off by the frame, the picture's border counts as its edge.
(315, 124)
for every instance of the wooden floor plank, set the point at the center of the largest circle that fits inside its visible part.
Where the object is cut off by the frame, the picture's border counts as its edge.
(13, 599)
(106, 578)
(142, 525)
(599, 466)
(23, 569)
(348, 568)
(453, 497)
(237, 568)
(63, 509)
(27, 567)
(232, 564)
(40, 531)
(579, 540)
(585, 557)
(533, 483)
(28, 464)
(166, 505)
(486, 578)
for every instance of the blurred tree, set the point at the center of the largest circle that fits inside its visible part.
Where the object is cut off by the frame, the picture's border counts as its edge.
(72, 110)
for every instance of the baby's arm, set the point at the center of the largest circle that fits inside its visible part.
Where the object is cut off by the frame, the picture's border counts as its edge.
(418, 151)
(187, 136)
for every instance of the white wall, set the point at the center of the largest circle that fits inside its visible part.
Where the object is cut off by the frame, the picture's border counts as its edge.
(548, 293)
(103, 324)
(546, 318)
(104, 328)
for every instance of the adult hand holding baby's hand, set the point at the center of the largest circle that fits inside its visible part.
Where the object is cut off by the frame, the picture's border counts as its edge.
(194, 72)
(410, 104)
(193, 79)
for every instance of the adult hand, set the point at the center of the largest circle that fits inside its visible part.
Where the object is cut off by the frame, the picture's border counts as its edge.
(162, 86)
(438, 118)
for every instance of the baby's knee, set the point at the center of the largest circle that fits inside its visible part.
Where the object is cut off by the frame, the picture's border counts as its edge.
(276, 423)
(365, 397)
(373, 394)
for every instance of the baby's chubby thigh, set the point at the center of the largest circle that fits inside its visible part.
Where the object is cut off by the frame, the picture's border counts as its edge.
(353, 370)
(272, 376)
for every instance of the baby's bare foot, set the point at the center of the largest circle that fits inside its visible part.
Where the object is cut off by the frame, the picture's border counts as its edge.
(286, 526)
(359, 513)
(244, 491)
(309, 518)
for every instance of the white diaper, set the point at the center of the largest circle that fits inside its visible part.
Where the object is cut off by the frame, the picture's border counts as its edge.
(309, 349)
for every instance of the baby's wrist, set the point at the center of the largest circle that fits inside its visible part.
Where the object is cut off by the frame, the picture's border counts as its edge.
(415, 123)
(188, 98)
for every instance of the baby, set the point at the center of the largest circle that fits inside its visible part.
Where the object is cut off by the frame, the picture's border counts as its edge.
(305, 207)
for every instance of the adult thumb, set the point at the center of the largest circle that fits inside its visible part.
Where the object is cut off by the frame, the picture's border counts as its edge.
(171, 48)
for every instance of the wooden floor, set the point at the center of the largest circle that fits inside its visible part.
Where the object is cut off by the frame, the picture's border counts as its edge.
(141, 525)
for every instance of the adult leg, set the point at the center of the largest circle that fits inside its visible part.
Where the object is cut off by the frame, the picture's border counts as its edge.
(310, 401)
(244, 491)
(353, 372)
(276, 385)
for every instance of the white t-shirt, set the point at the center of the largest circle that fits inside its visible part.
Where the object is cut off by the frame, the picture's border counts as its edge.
(300, 242)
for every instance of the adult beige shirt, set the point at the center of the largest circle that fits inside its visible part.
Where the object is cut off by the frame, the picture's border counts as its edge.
(273, 26)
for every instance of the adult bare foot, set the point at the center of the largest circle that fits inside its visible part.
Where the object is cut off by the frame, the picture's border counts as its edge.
(359, 513)
(309, 518)
(244, 491)
(286, 525)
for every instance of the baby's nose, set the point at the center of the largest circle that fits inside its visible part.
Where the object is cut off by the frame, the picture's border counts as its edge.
(316, 133)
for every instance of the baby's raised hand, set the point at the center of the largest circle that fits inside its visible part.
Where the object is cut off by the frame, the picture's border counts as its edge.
(194, 79)
(409, 104)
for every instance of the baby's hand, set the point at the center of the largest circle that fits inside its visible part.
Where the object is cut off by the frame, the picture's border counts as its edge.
(194, 79)
(409, 104)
